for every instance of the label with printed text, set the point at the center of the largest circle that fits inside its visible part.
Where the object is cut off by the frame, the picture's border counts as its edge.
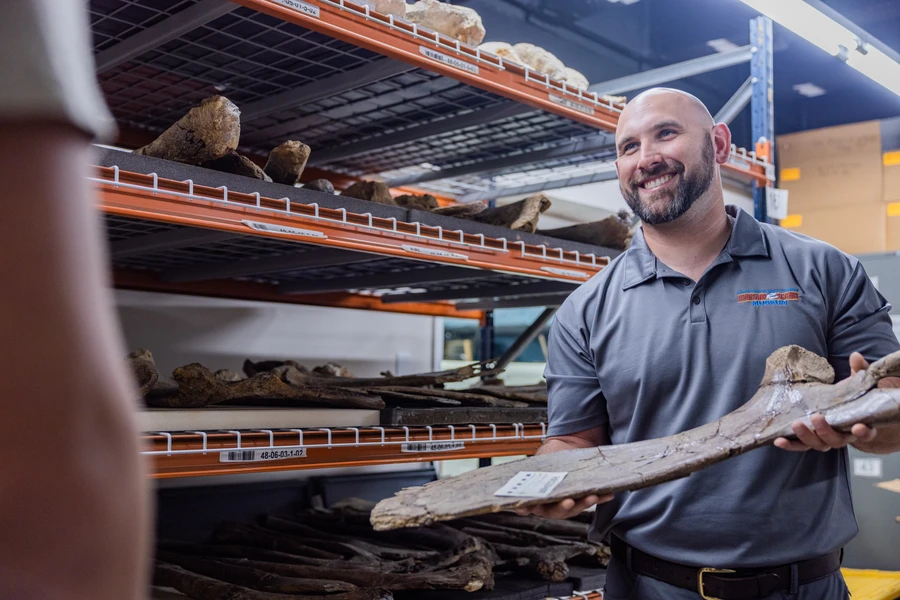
(306, 9)
(268, 227)
(531, 484)
(432, 446)
(571, 104)
(433, 252)
(566, 272)
(267, 455)
(448, 60)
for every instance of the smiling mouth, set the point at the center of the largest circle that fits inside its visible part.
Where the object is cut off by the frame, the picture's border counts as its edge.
(657, 182)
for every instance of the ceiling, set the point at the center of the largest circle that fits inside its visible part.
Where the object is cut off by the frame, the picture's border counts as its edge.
(606, 39)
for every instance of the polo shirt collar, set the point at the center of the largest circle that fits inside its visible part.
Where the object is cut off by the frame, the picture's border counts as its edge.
(747, 239)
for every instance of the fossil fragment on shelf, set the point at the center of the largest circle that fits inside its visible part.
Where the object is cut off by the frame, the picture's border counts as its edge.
(207, 132)
(612, 232)
(319, 185)
(575, 79)
(461, 211)
(503, 50)
(520, 216)
(458, 22)
(541, 60)
(144, 369)
(237, 164)
(418, 201)
(287, 161)
(374, 191)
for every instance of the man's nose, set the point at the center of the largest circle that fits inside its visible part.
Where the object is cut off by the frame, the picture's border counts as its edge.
(650, 158)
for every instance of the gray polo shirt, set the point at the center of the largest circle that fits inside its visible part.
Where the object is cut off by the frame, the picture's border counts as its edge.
(645, 352)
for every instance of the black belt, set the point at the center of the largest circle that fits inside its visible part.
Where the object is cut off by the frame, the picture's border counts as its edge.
(725, 584)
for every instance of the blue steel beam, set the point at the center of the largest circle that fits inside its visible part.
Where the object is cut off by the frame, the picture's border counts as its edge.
(762, 109)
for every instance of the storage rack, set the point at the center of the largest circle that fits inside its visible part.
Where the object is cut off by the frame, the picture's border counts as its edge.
(373, 96)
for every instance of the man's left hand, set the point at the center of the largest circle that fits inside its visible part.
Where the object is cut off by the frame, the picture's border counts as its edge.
(822, 436)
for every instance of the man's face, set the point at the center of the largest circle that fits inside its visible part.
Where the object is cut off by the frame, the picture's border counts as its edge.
(666, 161)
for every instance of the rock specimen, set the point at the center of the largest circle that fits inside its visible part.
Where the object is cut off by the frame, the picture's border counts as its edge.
(460, 210)
(391, 7)
(205, 133)
(541, 60)
(503, 50)
(374, 191)
(144, 369)
(458, 22)
(287, 161)
(612, 232)
(575, 79)
(237, 164)
(520, 216)
(319, 185)
(796, 384)
(417, 201)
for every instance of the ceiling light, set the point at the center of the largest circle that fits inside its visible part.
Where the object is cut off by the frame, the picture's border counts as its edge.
(810, 90)
(722, 45)
(821, 30)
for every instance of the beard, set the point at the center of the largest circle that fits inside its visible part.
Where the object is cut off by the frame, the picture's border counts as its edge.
(687, 190)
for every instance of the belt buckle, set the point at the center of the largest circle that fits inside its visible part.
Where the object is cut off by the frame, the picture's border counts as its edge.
(701, 573)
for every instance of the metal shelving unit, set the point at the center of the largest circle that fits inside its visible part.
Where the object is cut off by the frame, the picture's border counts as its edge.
(373, 96)
(191, 454)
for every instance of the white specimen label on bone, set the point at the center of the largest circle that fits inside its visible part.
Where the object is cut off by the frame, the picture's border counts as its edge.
(531, 484)
(571, 104)
(268, 227)
(306, 9)
(432, 446)
(448, 60)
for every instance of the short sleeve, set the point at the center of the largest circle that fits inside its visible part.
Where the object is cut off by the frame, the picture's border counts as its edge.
(47, 67)
(575, 400)
(861, 323)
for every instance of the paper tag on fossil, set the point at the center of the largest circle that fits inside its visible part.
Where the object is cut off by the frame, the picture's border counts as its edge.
(531, 484)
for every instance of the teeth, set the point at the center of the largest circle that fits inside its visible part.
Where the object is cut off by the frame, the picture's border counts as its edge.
(658, 182)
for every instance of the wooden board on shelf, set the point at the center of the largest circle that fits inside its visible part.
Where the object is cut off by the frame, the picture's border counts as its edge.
(227, 418)
(462, 415)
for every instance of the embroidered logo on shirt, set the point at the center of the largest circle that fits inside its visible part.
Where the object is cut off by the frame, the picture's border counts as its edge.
(769, 297)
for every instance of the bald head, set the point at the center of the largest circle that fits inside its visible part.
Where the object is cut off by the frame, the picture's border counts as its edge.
(682, 106)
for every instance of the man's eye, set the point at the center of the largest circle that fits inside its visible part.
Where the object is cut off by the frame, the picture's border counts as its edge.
(666, 133)
(629, 147)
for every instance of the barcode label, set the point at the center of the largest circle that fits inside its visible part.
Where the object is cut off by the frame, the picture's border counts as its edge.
(434, 252)
(571, 104)
(306, 9)
(448, 60)
(531, 484)
(258, 226)
(260, 455)
(432, 446)
(566, 272)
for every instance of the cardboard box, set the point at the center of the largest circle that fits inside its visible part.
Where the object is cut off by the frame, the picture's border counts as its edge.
(891, 168)
(832, 167)
(853, 229)
(893, 227)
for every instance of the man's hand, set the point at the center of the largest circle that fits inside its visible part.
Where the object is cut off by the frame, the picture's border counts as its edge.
(570, 506)
(564, 508)
(824, 437)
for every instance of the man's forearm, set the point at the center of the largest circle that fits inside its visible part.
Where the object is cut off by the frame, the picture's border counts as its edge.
(583, 439)
(886, 442)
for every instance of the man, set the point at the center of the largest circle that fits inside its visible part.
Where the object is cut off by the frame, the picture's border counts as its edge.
(658, 343)
(73, 493)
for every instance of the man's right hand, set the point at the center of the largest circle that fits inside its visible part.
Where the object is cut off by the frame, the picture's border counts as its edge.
(563, 509)
(570, 506)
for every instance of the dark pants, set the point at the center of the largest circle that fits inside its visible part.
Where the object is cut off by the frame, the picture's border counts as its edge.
(622, 584)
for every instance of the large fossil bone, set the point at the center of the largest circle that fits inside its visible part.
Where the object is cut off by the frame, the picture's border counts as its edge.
(796, 385)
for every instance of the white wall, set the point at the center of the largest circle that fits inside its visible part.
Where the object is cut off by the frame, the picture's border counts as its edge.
(220, 334)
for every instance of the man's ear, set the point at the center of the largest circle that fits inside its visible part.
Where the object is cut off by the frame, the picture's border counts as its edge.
(721, 142)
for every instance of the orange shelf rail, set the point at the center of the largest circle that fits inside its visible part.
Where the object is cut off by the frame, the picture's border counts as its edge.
(181, 202)
(193, 454)
(359, 25)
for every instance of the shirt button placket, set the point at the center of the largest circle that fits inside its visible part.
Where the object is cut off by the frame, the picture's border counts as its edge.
(698, 313)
